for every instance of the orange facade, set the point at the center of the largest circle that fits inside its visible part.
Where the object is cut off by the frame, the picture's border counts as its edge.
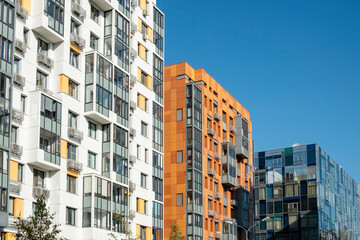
(175, 134)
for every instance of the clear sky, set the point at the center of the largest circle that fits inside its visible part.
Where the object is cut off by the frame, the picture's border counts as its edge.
(294, 64)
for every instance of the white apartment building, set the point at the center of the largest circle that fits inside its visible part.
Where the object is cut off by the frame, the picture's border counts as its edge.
(87, 118)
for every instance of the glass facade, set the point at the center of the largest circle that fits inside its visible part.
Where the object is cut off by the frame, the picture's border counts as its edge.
(306, 195)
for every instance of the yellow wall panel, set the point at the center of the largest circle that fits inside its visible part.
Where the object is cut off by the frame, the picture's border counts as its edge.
(148, 233)
(72, 173)
(150, 33)
(141, 205)
(10, 236)
(137, 231)
(75, 48)
(142, 52)
(139, 24)
(139, 75)
(19, 207)
(64, 84)
(63, 148)
(27, 5)
(149, 82)
(14, 170)
(141, 102)
(143, 4)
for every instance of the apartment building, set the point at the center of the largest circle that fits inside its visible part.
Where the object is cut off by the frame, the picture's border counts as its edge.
(306, 195)
(87, 118)
(7, 23)
(208, 157)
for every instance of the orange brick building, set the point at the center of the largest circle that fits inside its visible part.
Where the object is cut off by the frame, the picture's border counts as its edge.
(208, 157)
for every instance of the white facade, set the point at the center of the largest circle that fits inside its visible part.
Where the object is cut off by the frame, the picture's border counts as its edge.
(60, 73)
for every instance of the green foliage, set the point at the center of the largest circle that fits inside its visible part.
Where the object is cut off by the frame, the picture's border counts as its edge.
(128, 233)
(38, 226)
(176, 232)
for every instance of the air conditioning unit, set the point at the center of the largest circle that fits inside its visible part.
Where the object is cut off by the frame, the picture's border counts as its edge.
(19, 80)
(211, 213)
(21, 12)
(133, 132)
(20, 45)
(132, 105)
(145, 12)
(78, 166)
(232, 129)
(131, 213)
(134, 3)
(211, 172)
(145, 36)
(133, 54)
(233, 202)
(132, 79)
(218, 196)
(17, 116)
(38, 191)
(132, 158)
(133, 28)
(76, 8)
(217, 116)
(70, 164)
(217, 155)
(218, 235)
(76, 134)
(43, 59)
(16, 149)
(77, 40)
(132, 186)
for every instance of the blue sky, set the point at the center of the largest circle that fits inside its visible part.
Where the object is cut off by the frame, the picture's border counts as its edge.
(295, 65)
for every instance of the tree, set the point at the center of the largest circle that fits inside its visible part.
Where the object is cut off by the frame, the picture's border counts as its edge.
(120, 219)
(38, 226)
(176, 232)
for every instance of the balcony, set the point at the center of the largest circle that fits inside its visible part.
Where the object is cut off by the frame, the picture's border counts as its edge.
(211, 131)
(77, 9)
(45, 60)
(218, 196)
(74, 165)
(14, 187)
(218, 235)
(77, 40)
(17, 116)
(211, 172)
(41, 25)
(132, 159)
(228, 181)
(132, 186)
(44, 160)
(217, 156)
(18, 80)
(211, 213)
(233, 202)
(16, 150)
(20, 46)
(217, 116)
(75, 134)
(39, 191)
(133, 132)
(104, 5)
(21, 12)
(233, 129)
(242, 138)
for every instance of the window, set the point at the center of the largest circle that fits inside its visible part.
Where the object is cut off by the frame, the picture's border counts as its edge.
(41, 80)
(143, 180)
(146, 153)
(138, 151)
(72, 120)
(54, 9)
(144, 129)
(16, 66)
(92, 160)
(73, 87)
(94, 14)
(70, 216)
(20, 173)
(74, 27)
(71, 184)
(141, 206)
(71, 151)
(26, 35)
(92, 130)
(179, 199)
(179, 156)
(142, 102)
(179, 114)
(143, 233)
(143, 79)
(38, 178)
(23, 103)
(74, 59)
(14, 134)
(6, 49)
(11, 206)
(94, 41)
(43, 47)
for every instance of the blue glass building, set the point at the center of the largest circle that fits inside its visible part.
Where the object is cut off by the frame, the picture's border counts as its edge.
(306, 195)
